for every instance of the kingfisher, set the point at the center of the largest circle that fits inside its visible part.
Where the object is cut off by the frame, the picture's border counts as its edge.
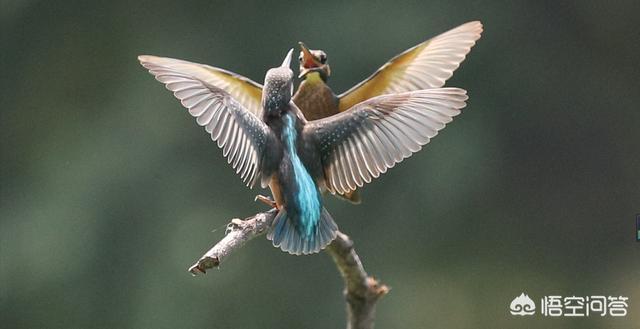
(300, 159)
(426, 65)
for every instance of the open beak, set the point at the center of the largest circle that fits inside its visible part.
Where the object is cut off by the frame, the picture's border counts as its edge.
(287, 59)
(308, 60)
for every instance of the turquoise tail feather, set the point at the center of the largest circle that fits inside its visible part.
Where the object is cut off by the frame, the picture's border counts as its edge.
(285, 235)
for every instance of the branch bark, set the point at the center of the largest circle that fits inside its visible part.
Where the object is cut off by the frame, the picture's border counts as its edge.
(361, 290)
(237, 234)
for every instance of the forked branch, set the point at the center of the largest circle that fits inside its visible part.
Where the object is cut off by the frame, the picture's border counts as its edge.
(361, 291)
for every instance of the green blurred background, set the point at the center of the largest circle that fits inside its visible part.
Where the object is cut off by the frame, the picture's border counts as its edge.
(110, 190)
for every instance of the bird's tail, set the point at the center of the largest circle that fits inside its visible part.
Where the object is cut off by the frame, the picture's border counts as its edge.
(285, 235)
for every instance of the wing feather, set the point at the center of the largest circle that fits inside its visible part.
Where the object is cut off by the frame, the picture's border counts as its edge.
(364, 142)
(235, 129)
(427, 65)
(243, 90)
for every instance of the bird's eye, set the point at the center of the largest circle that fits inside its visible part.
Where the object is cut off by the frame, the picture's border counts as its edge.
(300, 58)
(323, 58)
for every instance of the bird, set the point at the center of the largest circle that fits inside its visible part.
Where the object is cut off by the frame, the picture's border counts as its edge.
(426, 65)
(300, 159)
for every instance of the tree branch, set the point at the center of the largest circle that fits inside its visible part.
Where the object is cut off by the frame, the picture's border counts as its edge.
(237, 234)
(361, 291)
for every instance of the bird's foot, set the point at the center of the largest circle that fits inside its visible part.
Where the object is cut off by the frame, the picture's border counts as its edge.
(266, 200)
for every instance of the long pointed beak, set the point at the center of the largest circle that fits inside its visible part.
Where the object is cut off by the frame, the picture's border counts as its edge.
(287, 60)
(308, 60)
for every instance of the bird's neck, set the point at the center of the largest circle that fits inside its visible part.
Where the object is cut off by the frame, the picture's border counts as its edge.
(315, 78)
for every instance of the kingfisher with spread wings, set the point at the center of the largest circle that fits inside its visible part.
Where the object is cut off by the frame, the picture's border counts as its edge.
(427, 65)
(299, 159)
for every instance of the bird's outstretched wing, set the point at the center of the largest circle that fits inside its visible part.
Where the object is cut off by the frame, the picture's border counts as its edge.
(366, 140)
(244, 90)
(241, 135)
(427, 65)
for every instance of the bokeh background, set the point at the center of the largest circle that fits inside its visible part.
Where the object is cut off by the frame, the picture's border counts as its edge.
(109, 190)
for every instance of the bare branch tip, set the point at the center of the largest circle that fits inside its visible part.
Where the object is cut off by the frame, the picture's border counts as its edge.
(203, 265)
(377, 288)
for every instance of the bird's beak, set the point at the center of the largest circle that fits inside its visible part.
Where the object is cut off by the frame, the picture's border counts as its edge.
(308, 60)
(287, 60)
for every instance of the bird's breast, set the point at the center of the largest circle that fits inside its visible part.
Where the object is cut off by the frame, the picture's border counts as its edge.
(315, 99)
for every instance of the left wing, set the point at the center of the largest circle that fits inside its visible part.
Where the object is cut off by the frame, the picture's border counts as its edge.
(244, 90)
(241, 135)
(427, 65)
(363, 142)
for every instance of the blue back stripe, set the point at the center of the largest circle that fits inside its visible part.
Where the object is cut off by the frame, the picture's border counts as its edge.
(308, 200)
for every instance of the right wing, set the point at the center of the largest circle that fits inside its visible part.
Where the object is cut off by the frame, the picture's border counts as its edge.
(241, 135)
(363, 142)
(427, 65)
(244, 90)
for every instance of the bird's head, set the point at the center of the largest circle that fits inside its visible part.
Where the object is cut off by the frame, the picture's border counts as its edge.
(278, 88)
(313, 61)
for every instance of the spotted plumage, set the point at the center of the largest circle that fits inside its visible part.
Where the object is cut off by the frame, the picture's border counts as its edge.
(298, 159)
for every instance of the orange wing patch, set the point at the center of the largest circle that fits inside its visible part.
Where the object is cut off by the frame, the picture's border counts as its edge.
(427, 65)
